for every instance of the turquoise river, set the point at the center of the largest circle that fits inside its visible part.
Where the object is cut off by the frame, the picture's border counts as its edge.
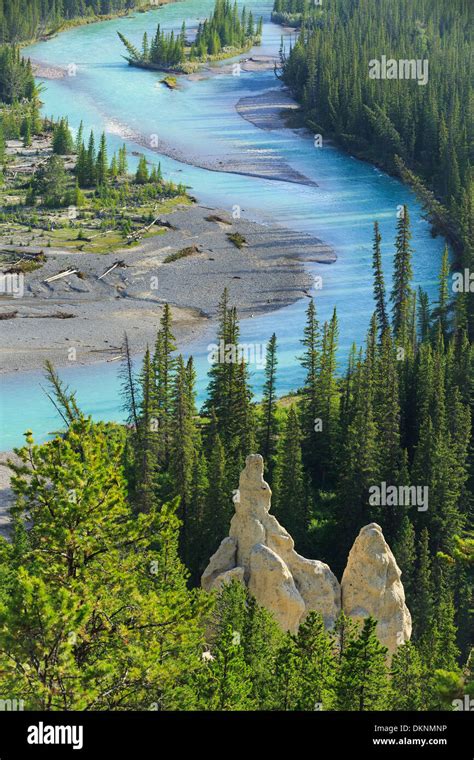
(200, 119)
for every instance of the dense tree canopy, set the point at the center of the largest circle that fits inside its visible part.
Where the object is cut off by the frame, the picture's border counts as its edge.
(26, 19)
(423, 132)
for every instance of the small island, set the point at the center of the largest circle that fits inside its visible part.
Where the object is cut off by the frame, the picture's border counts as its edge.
(297, 13)
(225, 34)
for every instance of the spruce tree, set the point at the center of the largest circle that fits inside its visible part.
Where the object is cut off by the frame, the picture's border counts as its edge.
(147, 438)
(183, 449)
(401, 288)
(407, 679)
(291, 505)
(441, 312)
(379, 284)
(268, 433)
(362, 682)
(164, 365)
(405, 552)
(315, 665)
(225, 682)
(424, 315)
(423, 603)
(102, 164)
(309, 404)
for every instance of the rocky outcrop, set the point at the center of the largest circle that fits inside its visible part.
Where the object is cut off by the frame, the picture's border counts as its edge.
(371, 585)
(271, 583)
(261, 552)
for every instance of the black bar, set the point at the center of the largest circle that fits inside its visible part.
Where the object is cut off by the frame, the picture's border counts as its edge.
(321, 734)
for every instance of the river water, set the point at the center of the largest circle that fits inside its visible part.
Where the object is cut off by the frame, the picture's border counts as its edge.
(200, 119)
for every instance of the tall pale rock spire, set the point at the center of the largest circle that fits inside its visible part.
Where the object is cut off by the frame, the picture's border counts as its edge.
(263, 551)
(371, 585)
(260, 553)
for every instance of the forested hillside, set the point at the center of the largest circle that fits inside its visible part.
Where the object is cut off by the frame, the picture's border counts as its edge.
(423, 132)
(22, 20)
(115, 520)
(16, 77)
(113, 524)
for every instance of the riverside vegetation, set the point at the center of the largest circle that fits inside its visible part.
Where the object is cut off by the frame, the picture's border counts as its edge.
(23, 20)
(65, 192)
(421, 133)
(113, 525)
(223, 35)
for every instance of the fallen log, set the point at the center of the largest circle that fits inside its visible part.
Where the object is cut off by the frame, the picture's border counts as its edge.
(60, 275)
(110, 269)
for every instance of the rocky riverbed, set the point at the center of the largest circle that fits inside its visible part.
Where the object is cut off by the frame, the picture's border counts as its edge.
(85, 313)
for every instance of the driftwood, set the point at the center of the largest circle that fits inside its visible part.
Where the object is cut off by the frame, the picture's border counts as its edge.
(110, 269)
(137, 234)
(61, 274)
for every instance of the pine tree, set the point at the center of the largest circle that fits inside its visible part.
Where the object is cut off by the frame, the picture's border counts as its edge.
(79, 138)
(147, 438)
(261, 639)
(405, 552)
(25, 132)
(379, 284)
(309, 404)
(445, 653)
(407, 679)
(242, 418)
(141, 175)
(387, 418)
(326, 425)
(122, 161)
(229, 396)
(183, 447)
(441, 312)
(164, 365)
(423, 602)
(286, 686)
(290, 506)
(102, 164)
(424, 315)
(362, 682)
(95, 581)
(222, 372)
(401, 289)
(358, 451)
(315, 665)
(90, 163)
(268, 434)
(62, 139)
(218, 507)
(198, 550)
(225, 682)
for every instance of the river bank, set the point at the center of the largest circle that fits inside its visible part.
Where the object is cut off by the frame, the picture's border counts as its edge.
(81, 317)
(95, 19)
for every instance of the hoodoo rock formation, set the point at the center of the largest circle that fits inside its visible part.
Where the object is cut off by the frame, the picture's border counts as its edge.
(371, 585)
(260, 553)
